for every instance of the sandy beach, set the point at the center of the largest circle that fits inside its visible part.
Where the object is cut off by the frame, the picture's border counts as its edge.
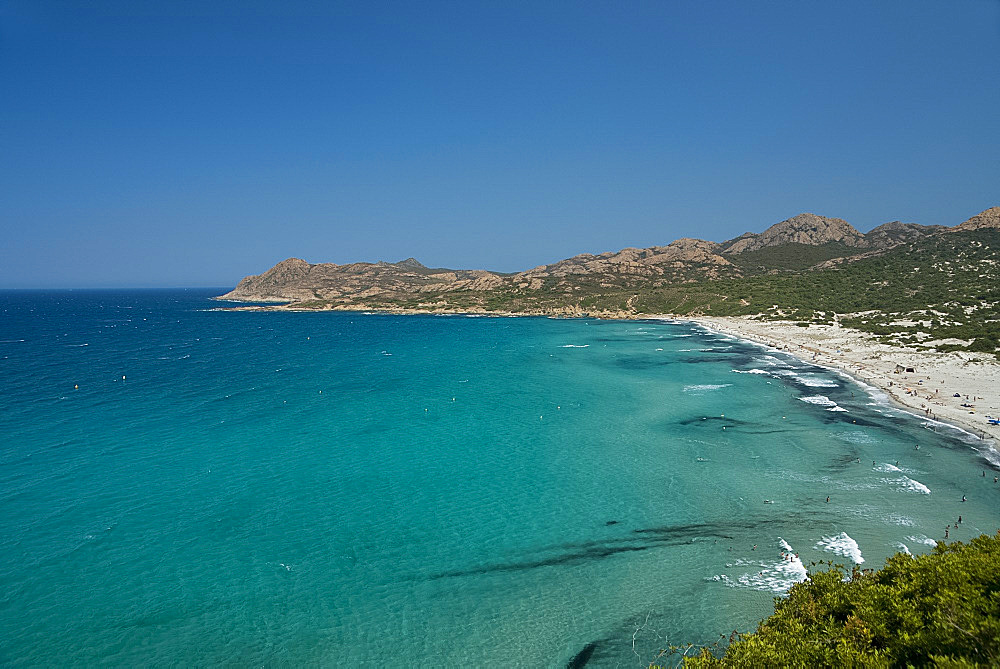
(928, 390)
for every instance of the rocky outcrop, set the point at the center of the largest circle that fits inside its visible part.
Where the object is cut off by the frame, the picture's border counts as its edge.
(985, 219)
(802, 229)
(893, 233)
(680, 254)
(296, 280)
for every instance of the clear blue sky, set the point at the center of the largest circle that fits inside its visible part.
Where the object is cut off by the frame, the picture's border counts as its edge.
(174, 143)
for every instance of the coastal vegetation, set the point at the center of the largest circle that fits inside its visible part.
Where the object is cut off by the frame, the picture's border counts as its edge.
(941, 609)
(939, 293)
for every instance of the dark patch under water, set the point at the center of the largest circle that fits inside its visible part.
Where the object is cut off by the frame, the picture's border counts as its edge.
(583, 657)
(641, 539)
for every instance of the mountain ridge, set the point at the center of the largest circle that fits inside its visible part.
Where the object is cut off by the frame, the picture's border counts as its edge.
(796, 243)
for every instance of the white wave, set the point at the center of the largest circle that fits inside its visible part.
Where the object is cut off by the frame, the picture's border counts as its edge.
(841, 544)
(771, 361)
(916, 486)
(659, 349)
(816, 382)
(897, 519)
(902, 548)
(819, 400)
(752, 371)
(921, 539)
(700, 388)
(886, 467)
(776, 577)
(837, 408)
(575, 346)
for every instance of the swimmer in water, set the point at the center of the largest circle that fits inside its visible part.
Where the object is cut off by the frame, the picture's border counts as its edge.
(827, 499)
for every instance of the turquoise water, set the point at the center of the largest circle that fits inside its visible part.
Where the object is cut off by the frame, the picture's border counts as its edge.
(345, 489)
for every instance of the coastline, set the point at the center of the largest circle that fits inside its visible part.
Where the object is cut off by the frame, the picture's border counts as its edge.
(927, 391)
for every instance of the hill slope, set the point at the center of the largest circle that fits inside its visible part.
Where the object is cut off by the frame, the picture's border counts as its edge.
(919, 282)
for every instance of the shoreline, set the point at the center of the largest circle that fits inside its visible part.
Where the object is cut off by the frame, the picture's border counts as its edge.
(927, 392)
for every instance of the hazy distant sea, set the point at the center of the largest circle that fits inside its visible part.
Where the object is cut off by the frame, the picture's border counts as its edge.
(344, 489)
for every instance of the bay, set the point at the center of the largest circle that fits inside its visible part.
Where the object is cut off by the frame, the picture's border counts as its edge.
(186, 486)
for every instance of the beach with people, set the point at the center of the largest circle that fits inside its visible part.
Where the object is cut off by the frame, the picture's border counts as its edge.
(959, 388)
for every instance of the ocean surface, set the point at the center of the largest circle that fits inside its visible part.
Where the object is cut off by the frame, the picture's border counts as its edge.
(181, 486)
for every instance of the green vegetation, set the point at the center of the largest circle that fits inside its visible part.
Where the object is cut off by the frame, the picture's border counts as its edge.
(941, 287)
(792, 256)
(941, 609)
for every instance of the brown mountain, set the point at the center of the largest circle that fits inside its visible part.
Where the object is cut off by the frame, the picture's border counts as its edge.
(802, 229)
(653, 261)
(890, 234)
(795, 244)
(298, 281)
(985, 219)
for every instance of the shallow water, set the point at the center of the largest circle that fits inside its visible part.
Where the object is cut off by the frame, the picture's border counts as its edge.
(332, 488)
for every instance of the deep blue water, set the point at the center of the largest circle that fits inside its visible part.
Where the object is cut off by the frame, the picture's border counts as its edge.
(184, 486)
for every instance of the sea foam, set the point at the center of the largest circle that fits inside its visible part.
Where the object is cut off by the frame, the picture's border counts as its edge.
(841, 544)
(703, 387)
(770, 576)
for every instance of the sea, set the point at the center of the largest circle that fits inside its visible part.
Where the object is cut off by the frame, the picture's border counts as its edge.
(186, 486)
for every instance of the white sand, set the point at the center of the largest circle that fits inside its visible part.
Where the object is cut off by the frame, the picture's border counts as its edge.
(927, 391)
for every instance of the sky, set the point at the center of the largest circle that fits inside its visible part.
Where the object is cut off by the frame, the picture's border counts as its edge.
(158, 144)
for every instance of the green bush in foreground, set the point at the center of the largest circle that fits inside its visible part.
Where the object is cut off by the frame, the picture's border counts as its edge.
(941, 609)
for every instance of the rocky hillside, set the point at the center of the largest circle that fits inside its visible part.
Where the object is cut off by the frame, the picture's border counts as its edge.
(987, 219)
(295, 280)
(892, 234)
(793, 245)
(802, 229)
